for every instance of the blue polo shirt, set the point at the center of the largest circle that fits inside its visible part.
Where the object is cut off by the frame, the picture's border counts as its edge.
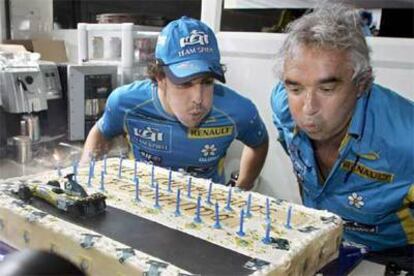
(159, 138)
(371, 185)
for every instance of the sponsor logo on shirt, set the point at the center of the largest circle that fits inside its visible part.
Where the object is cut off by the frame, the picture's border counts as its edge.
(150, 136)
(360, 227)
(148, 133)
(155, 159)
(366, 172)
(209, 153)
(209, 132)
(209, 150)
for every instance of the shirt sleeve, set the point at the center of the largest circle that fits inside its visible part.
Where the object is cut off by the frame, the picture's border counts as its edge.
(111, 123)
(252, 130)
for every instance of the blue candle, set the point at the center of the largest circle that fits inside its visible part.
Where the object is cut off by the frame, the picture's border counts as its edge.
(89, 177)
(217, 224)
(267, 210)
(249, 206)
(92, 166)
(135, 170)
(152, 176)
(137, 189)
(210, 188)
(289, 215)
(121, 158)
(177, 204)
(169, 181)
(228, 205)
(241, 232)
(104, 162)
(197, 218)
(90, 170)
(189, 187)
(266, 239)
(102, 181)
(157, 196)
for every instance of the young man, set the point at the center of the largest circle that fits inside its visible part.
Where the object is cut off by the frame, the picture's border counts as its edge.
(350, 141)
(180, 118)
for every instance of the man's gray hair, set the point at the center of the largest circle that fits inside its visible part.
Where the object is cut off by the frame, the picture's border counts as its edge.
(330, 26)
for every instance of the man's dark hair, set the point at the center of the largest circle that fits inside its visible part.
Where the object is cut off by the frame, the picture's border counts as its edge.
(155, 70)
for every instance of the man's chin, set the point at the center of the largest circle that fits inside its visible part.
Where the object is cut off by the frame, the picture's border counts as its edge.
(190, 124)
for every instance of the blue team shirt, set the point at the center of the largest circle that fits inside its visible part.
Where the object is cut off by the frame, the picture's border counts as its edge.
(159, 138)
(371, 183)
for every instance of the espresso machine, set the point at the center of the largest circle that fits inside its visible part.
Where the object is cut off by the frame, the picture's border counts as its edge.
(33, 105)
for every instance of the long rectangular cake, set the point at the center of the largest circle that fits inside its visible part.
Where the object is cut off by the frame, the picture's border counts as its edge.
(161, 221)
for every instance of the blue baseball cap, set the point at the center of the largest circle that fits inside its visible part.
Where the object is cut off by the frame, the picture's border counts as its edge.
(187, 49)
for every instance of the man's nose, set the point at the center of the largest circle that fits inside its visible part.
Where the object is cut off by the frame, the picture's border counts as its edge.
(197, 94)
(310, 105)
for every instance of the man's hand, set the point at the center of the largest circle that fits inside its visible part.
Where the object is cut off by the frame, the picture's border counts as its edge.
(96, 145)
(251, 163)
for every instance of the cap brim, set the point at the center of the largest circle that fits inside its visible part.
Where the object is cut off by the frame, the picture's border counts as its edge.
(186, 71)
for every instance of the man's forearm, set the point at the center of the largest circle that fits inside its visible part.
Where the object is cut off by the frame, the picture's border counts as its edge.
(251, 164)
(95, 145)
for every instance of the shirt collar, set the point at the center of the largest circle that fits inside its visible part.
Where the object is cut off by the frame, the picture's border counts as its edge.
(357, 125)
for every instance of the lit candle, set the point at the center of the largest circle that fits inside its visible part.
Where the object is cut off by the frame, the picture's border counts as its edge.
(228, 204)
(217, 224)
(137, 189)
(121, 158)
(104, 162)
(266, 239)
(197, 218)
(135, 170)
(210, 188)
(267, 210)
(152, 176)
(157, 196)
(177, 204)
(102, 181)
(189, 187)
(75, 168)
(56, 157)
(169, 181)
(249, 206)
(289, 216)
(59, 172)
(241, 232)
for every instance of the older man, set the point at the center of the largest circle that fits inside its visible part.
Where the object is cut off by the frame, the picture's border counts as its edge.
(350, 140)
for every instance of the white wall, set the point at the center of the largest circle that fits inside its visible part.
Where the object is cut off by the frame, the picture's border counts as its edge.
(2, 20)
(250, 59)
(32, 16)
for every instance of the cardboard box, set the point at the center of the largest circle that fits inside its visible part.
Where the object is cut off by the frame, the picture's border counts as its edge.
(12, 48)
(50, 50)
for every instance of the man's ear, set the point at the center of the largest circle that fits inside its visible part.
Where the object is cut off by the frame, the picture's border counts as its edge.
(161, 81)
(364, 81)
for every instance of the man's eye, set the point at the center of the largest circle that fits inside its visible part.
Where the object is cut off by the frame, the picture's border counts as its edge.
(327, 89)
(185, 85)
(294, 90)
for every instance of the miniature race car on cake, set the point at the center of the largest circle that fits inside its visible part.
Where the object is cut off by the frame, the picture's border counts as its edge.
(73, 199)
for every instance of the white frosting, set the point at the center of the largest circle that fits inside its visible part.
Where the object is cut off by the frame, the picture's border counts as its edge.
(294, 252)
